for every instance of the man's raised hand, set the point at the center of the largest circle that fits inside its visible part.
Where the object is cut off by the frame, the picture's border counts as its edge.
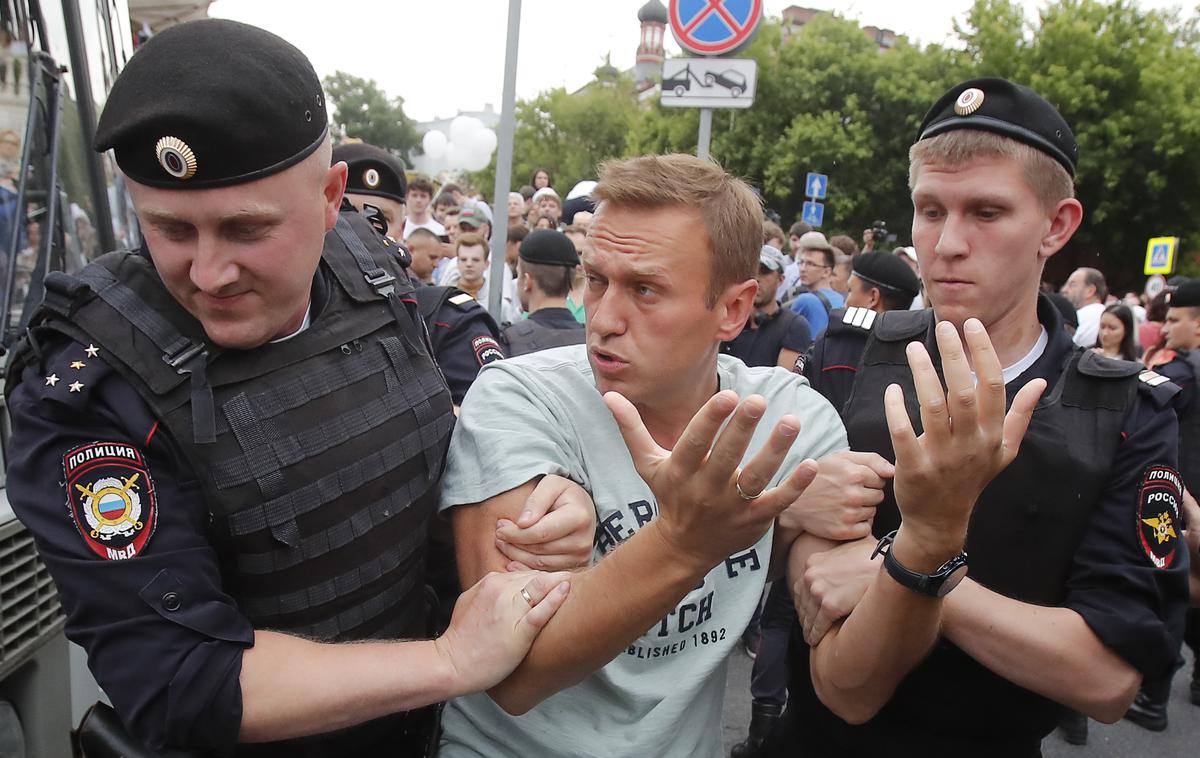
(710, 507)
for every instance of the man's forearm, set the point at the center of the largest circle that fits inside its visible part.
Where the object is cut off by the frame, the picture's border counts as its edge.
(1050, 651)
(857, 666)
(339, 685)
(610, 605)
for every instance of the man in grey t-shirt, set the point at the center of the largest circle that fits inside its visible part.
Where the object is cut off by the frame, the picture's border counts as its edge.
(634, 662)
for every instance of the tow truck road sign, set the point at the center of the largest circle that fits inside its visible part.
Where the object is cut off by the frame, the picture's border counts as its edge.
(714, 27)
(709, 82)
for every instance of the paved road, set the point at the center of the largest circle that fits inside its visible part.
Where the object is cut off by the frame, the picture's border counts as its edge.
(1120, 740)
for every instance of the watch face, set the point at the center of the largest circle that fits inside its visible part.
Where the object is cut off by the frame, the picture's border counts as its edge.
(956, 576)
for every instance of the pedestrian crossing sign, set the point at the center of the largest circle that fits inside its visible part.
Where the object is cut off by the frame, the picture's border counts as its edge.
(1160, 255)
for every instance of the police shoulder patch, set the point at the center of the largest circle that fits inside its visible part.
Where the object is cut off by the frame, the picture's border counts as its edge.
(111, 498)
(1158, 515)
(486, 349)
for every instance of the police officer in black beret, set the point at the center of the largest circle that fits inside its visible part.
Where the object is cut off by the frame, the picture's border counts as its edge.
(463, 334)
(546, 263)
(879, 282)
(227, 445)
(1182, 332)
(1070, 584)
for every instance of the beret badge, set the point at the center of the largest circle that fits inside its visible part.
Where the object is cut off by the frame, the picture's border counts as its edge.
(176, 158)
(371, 178)
(969, 101)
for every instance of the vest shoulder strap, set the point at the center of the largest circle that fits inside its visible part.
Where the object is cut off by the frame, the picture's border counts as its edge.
(903, 326)
(824, 300)
(1100, 366)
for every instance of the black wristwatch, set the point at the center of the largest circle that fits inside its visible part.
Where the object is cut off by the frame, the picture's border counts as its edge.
(937, 584)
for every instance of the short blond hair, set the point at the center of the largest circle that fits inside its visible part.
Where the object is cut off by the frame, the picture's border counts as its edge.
(731, 212)
(1044, 175)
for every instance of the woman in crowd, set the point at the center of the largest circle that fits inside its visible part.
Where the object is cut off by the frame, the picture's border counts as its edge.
(1115, 338)
(540, 178)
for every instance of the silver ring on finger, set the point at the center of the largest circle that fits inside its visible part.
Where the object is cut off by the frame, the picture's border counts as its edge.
(528, 598)
(737, 484)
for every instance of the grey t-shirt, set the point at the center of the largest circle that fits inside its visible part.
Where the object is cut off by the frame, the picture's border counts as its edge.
(541, 414)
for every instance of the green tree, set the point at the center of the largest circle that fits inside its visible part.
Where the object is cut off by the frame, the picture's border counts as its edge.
(569, 133)
(364, 111)
(1124, 78)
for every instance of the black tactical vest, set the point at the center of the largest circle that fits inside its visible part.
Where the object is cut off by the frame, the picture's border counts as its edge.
(528, 336)
(1021, 541)
(319, 456)
(1189, 428)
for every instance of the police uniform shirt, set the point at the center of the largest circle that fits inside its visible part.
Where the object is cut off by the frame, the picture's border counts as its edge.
(463, 334)
(555, 318)
(1127, 579)
(160, 632)
(1181, 370)
(764, 336)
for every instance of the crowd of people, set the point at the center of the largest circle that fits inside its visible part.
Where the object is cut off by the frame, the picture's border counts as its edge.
(321, 502)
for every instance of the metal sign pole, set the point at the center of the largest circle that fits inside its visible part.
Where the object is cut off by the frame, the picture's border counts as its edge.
(504, 157)
(705, 136)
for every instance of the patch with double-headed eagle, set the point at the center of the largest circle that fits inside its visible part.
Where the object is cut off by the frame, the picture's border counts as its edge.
(1158, 514)
(111, 498)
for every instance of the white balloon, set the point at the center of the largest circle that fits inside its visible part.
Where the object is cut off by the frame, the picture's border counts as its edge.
(452, 157)
(486, 141)
(434, 143)
(477, 160)
(462, 128)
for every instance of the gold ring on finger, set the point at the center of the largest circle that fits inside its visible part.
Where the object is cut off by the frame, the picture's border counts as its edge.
(528, 598)
(742, 493)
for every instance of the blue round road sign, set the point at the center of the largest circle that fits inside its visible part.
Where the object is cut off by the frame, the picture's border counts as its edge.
(714, 27)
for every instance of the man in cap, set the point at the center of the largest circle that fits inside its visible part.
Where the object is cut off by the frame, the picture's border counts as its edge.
(816, 259)
(880, 282)
(462, 333)
(545, 270)
(773, 336)
(548, 203)
(249, 432)
(911, 657)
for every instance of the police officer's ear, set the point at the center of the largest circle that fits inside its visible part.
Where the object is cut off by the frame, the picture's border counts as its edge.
(1065, 218)
(876, 299)
(333, 187)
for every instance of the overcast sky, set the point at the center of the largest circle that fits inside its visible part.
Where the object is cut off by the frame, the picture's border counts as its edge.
(443, 56)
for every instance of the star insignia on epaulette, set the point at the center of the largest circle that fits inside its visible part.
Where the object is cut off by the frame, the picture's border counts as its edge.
(76, 386)
(52, 380)
(77, 365)
(92, 351)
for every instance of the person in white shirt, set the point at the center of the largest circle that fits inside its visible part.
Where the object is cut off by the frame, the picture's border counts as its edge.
(1086, 289)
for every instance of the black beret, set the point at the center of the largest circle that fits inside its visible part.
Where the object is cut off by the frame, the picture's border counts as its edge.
(1000, 106)
(886, 270)
(548, 247)
(212, 103)
(373, 171)
(1186, 295)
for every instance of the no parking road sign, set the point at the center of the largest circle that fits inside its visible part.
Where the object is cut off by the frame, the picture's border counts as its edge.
(714, 27)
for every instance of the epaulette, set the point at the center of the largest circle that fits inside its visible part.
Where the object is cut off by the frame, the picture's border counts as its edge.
(1159, 389)
(859, 318)
(70, 373)
(461, 298)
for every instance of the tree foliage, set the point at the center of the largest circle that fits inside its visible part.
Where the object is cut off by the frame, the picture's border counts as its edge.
(364, 111)
(829, 100)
